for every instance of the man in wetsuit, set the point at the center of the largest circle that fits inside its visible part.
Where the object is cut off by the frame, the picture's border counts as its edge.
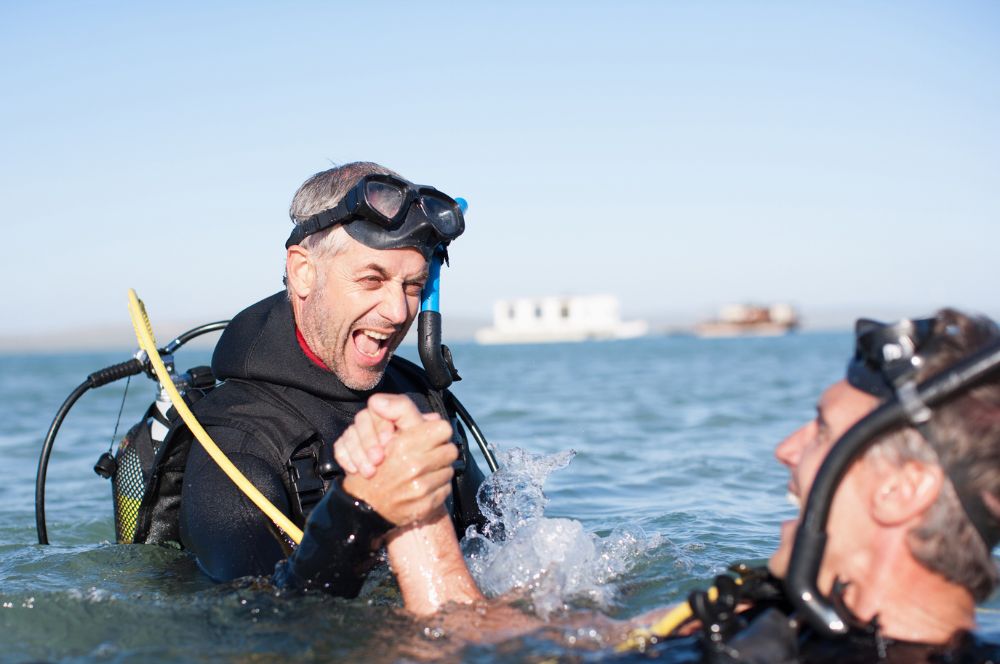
(298, 368)
(912, 522)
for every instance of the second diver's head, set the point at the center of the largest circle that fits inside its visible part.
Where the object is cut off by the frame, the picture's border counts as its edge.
(357, 261)
(938, 500)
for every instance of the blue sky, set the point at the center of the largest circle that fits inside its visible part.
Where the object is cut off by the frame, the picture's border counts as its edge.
(681, 155)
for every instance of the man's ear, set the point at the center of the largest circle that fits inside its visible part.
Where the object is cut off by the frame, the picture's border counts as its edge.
(300, 270)
(906, 492)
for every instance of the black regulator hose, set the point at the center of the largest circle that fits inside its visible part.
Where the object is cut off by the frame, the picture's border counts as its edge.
(185, 337)
(466, 416)
(810, 540)
(101, 377)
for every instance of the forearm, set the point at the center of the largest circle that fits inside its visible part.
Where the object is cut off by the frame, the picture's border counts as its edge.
(429, 565)
(338, 547)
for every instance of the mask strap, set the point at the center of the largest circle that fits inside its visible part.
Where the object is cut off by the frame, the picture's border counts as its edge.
(919, 415)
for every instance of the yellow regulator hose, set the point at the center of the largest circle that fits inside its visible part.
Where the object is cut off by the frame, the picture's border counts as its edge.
(144, 333)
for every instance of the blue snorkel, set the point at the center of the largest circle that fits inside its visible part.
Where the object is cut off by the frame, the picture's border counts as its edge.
(435, 356)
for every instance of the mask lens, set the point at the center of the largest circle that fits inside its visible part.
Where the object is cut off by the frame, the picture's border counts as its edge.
(384, 198)
(441, 214)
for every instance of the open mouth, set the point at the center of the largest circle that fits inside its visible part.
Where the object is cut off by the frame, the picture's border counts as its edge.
(795, 501)
(371, 344)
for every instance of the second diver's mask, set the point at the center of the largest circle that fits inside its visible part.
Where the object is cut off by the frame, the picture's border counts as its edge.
(387, 212)
(887, 355)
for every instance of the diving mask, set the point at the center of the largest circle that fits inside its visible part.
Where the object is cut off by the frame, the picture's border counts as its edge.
(387, 212)
(885, 355)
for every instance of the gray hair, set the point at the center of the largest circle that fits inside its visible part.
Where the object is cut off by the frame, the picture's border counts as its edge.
(968, 428)
(321, 192)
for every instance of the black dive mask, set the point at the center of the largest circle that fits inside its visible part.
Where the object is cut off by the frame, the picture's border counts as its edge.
(387, 212)
(886, 355)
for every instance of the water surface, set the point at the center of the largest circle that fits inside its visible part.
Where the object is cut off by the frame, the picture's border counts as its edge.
(673, 479)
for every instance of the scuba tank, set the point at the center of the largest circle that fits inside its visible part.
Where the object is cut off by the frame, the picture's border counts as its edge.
(128, 469)
(138, 449)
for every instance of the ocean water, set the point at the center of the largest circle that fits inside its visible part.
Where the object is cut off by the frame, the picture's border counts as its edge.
(634, 472)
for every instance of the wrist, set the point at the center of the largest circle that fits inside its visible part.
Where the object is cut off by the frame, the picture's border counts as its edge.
(437, 516)
(352, 485)
(339, 545)
(348, 497)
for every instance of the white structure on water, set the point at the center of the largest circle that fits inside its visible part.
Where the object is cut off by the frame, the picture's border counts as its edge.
(545, 319)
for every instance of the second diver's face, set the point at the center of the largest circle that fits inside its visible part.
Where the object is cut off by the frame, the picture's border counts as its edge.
(839, 408)
(364, 302)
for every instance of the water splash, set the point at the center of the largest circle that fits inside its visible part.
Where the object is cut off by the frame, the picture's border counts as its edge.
(550, 561)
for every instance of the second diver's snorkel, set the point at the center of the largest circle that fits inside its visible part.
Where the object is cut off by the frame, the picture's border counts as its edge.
(435, 356)
(905, 406)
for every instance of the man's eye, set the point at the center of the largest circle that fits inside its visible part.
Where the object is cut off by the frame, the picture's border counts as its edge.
(414, 289)
(371, 281)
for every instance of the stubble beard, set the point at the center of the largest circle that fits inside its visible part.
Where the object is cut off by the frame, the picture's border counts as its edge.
(324, 342)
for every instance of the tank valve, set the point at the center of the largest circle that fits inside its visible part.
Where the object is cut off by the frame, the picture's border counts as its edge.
(106, 466)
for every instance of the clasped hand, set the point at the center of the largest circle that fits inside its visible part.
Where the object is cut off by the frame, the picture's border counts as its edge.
(397, 459)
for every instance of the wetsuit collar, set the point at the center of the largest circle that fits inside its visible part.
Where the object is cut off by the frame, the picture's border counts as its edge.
(304, 345)
(260, 344)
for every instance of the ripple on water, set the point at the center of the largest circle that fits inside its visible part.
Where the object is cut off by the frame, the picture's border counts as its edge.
(673, 480)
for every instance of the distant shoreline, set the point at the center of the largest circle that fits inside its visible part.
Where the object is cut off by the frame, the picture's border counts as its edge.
(116, 337)
(121, 343)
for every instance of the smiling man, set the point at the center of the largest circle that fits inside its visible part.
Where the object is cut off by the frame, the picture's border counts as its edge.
(299, 366)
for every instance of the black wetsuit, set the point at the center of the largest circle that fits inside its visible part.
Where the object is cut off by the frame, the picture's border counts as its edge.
(275, 405)
(765, 634)
(857, 647)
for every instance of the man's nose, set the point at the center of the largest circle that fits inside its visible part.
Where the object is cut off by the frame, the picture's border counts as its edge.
(789, 451)
(395, 307)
